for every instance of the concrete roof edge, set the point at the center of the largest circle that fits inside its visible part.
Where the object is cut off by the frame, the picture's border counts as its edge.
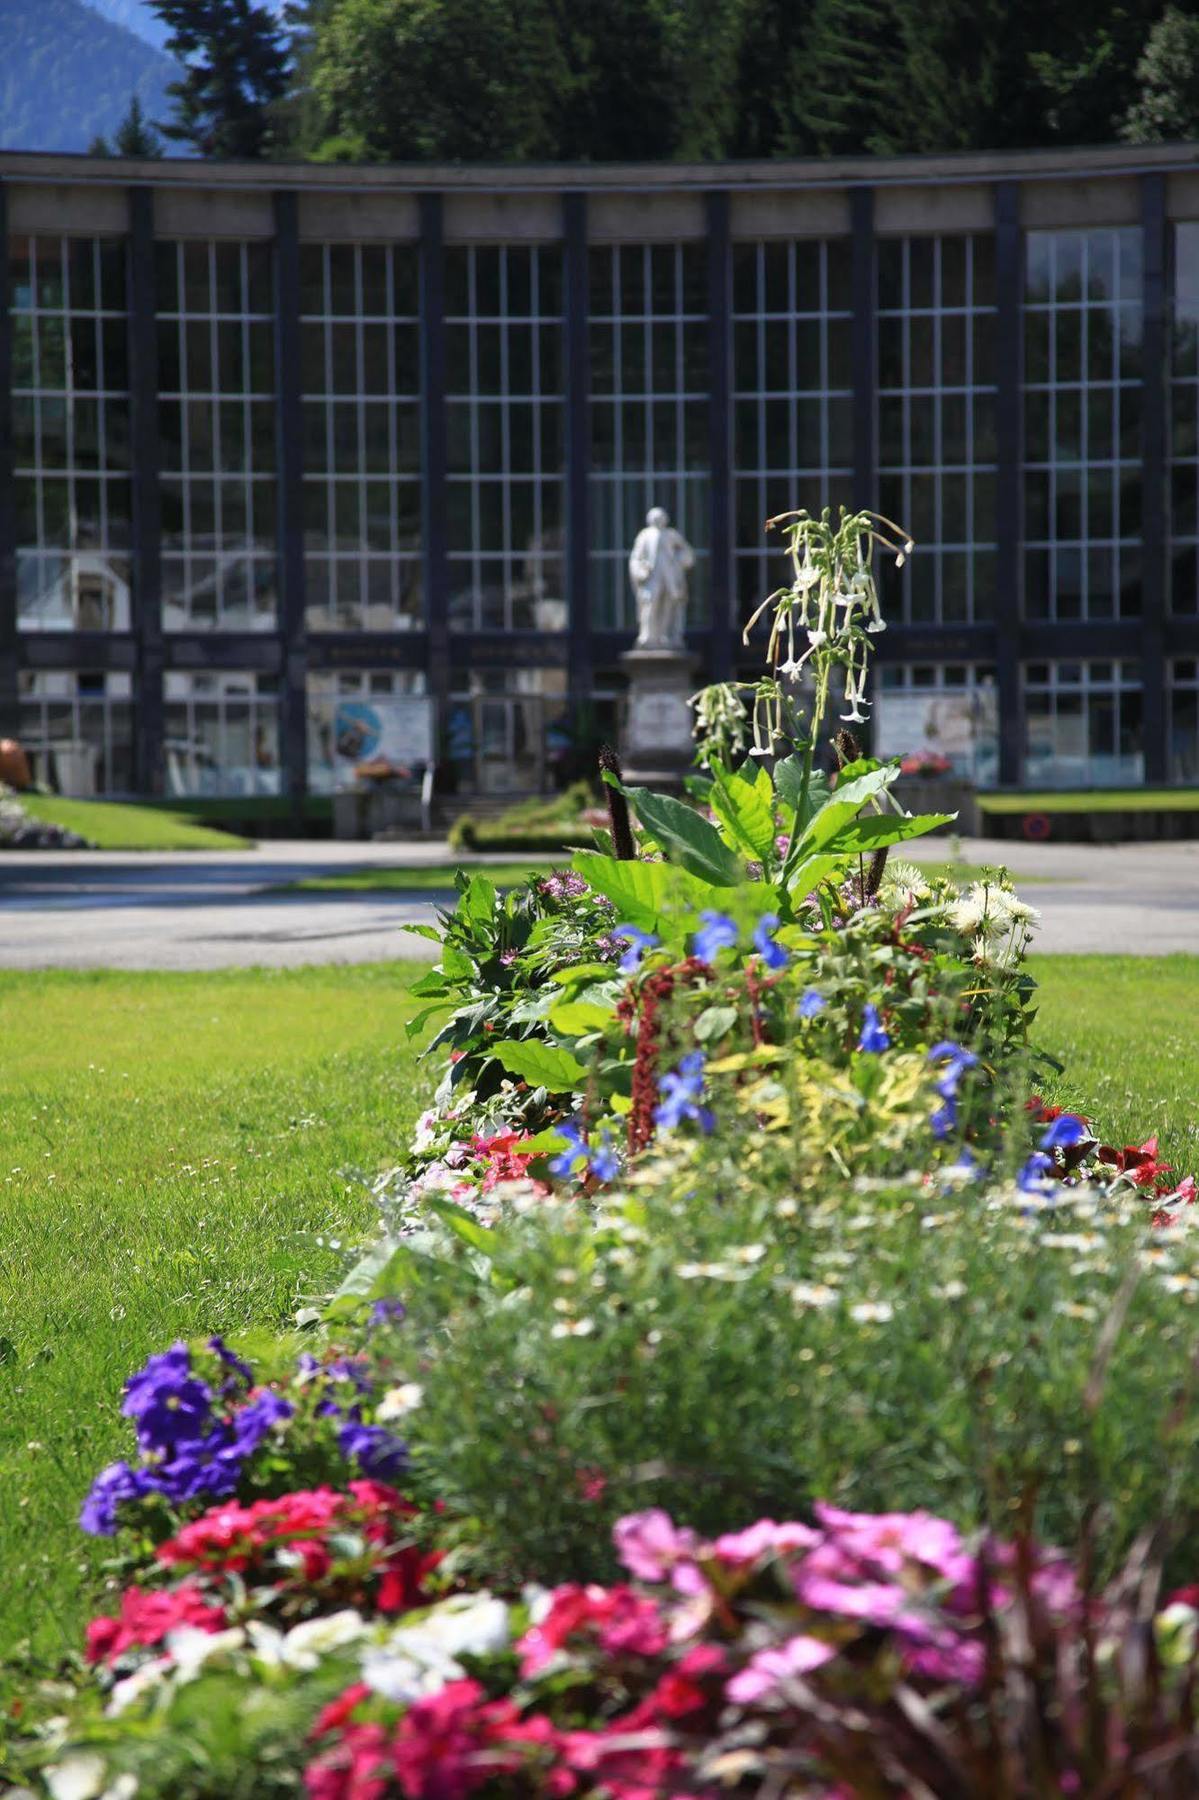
(45, 167)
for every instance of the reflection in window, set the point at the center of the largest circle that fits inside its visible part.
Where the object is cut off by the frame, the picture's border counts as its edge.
(792, 380)
(936, 424)
(1184, 720)
(1082, 424)
(649, 413)
(222, 733)
(361, 383)
(77, 729)
(935, 711)
(1184, 423)
(508, 730)
(70, 404)
(504, 421)
(1083, 724)
(216, 415)
(356, 714)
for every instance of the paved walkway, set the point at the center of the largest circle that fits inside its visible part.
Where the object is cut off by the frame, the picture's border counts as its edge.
(214, 909)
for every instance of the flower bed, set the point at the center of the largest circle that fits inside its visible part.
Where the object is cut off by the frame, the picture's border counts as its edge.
(737, 1340)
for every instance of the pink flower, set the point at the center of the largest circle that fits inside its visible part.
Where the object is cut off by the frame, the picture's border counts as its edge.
(768, 1669)
(873, 1602)
(892, 1541)
(762, 1540)
(653, 1548)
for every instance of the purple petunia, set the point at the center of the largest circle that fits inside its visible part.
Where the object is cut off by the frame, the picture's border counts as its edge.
(166, 1401)
(1065, 1133)
(116, 1486)
(378, 1453)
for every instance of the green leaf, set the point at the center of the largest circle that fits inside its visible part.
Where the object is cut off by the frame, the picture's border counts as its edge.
(713, 1022)
(744, 804)
(478, 900)
(811, 872)
(540, 1064)
(581, 973)
(639, 891)
(574, 1017)
(426, 931)
(464, 1225)
(788, 785)
(824, 829)
(686, 838)
(884, 828)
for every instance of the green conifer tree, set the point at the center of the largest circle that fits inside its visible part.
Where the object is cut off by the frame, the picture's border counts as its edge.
(236, 70)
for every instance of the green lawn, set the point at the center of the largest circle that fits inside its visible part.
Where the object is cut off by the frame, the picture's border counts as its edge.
(1123, 1027)
(437, 878)
(172, 1148)
(111, 826)
(1084, 800)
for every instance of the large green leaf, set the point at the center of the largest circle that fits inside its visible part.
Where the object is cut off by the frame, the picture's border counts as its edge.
(810, 873)
(885, 828)
(641, 892)
(686, 838)
(744, 805)
(463, 1224)
(540, 1064)
(824, 830)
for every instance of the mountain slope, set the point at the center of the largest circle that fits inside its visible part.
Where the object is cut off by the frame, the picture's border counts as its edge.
(66, 74)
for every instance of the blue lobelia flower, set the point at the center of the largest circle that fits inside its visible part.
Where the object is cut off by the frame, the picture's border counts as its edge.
(874, 1039)
(812, 1001)
(957, 1060)
(167, 1403)
(639, 942)
(772, 954)
(1064, 1133)
(378, 1453)
(944, 1119)
(572, 1160)
(682, 1095)
(605, 1164)
(718, 932)
(1035, 1176)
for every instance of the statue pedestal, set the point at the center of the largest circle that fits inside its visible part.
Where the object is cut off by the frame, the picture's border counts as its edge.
(657, 747)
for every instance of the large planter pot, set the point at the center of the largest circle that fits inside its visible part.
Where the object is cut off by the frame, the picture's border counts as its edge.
(940, 794)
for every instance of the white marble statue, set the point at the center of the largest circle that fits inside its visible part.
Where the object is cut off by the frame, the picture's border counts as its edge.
(658, 565)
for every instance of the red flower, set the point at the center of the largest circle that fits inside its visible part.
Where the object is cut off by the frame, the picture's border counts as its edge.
(1139, 1161)
(621, 1621)
(337, 1713)
(145, 1618)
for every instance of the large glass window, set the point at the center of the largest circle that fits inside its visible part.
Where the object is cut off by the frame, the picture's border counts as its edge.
(1184, 720)
(222, 732)
(1082, 424)
(360, 373)
(356, 714)
(77, 729)
(792, 402)
(70, 401)
(940, 718)
(1083, 724)
(936, 423)
(507, 729)
(504, 405)
(649, 414)
(216, 385)
(1184, 423)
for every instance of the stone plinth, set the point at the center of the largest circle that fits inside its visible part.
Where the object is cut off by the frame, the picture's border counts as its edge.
(658, 747)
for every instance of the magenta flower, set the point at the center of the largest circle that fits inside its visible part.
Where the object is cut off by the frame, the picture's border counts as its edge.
(765, 1671)
(653, 1548)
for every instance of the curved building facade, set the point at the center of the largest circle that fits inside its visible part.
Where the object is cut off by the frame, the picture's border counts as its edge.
(282, 444)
